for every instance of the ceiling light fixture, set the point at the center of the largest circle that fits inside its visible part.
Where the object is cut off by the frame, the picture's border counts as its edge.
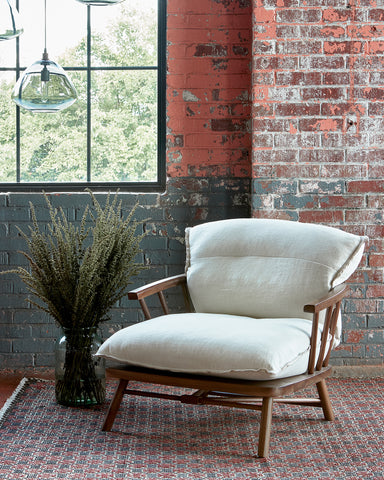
(10, 26)
(44, 86)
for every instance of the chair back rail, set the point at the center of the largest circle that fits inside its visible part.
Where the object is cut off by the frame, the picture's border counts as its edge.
(158, 288)
(313, 343)
(324, 338)
(144, 307)
(332, 330)
(327, 336)
(163, 303)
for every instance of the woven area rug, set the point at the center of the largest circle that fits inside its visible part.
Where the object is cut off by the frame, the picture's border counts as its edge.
(161, 439)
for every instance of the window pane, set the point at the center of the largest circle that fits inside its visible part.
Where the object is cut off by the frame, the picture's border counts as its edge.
(66, 27)
(125, 34)
(8, 54)
(57, 150)
(124, 131)
(7, 129)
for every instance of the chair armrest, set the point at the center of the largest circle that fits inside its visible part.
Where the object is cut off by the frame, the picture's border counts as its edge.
(156, 287)
(331, 303)
(334, 296)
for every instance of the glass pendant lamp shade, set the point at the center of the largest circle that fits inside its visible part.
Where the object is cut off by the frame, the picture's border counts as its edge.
(10, 26)
(44, 87)
(100, 2)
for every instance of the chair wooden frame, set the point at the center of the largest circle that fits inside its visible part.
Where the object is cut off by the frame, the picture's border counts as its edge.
(255, 395)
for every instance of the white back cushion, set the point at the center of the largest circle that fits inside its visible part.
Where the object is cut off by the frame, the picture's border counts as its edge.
(266, 268)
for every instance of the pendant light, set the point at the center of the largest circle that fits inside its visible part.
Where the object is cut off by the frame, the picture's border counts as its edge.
(100, 2)
(10, 26)
(44, 86)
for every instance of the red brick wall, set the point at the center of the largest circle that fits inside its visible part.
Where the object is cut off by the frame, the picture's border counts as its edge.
(309, 75)
(318, 143)
(209, 83)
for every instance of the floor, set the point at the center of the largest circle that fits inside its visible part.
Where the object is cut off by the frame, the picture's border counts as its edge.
(9, 381)
(7, 386)
(163, 439)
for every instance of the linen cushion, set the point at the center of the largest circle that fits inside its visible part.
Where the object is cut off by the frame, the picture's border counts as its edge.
(221, 345)
(267, 268)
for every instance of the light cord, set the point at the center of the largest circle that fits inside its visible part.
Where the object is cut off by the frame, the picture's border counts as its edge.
(45, 25)
(45, 53)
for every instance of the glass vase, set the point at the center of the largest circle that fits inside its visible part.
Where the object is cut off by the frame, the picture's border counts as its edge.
(79, 376)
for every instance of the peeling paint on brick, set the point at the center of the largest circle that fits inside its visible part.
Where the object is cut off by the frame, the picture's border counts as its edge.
(229, 3)
(210, 50)
(189, 96)
(326, 125)
(219, 65)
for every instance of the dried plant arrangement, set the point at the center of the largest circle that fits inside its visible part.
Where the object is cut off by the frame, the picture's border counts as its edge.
(77, 274)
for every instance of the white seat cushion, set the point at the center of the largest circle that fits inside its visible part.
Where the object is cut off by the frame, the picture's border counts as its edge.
(215, 344)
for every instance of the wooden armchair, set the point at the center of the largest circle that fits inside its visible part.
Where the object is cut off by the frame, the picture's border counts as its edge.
(263, 315)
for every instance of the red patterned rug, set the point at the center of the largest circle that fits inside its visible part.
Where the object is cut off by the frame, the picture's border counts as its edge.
(160, 439)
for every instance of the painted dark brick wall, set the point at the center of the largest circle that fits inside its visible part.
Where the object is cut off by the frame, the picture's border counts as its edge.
(27, 335)
(318, 91)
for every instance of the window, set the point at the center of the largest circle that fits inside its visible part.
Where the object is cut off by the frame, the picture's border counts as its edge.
(113, 136)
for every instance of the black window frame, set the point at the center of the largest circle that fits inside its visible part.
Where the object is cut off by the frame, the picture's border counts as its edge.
(154, 186)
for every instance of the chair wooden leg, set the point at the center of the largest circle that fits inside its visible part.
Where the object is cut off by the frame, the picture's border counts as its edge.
(265, 427)
(114, 405)
(325, 401)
